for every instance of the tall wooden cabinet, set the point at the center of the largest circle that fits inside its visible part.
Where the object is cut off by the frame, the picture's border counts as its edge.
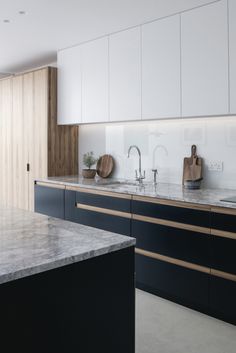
(32, 145)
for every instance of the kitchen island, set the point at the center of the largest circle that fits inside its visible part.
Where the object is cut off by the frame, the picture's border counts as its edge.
(64, 287)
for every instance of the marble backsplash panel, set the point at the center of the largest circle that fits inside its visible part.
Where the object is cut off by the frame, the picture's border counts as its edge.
(164, 144)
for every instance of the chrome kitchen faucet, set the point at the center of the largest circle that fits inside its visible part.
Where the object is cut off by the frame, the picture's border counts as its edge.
(138, 174)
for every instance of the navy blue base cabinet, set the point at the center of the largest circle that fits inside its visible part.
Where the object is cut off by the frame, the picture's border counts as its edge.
(49, 201)
(85, 307)
(99, 211)
(185, 253)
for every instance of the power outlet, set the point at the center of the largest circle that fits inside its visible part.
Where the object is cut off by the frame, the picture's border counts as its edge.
(215, 166)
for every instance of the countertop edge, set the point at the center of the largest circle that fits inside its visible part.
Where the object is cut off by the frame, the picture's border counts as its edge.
(218, 203)
(48, 266)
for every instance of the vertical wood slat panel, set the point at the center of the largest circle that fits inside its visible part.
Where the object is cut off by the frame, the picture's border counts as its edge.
(5, 141)
(19, 146)
(29, 134)
(28, 102)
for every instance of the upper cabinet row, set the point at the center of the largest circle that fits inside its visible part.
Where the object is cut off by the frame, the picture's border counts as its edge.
(180, 66)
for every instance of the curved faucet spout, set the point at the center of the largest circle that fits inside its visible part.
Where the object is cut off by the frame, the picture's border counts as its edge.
(140, 177)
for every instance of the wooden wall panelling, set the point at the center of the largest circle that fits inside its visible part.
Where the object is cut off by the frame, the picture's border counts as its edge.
(19, 147)
(28, 102)
(62, 140)
(2, 200)
(40, 124)
(5, 141)
(7, 98)
(29, 134)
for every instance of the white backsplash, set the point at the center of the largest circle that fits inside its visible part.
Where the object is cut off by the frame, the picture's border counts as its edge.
(164, 144)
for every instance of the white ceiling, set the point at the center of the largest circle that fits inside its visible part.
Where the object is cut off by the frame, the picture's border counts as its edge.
(33, 39)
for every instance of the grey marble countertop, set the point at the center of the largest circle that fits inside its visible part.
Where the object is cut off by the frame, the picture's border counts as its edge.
(31, 243)
(211, 197)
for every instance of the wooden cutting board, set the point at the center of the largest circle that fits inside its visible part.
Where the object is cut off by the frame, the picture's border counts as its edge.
(105, 166)
(192, 169)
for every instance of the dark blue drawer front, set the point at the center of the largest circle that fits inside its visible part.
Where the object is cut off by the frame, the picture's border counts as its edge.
(223, 222)
(113, 203)
(172, 213)
(70, 202)
(50, 201)
(110, 223)
(222, 298)
(173, 281)
(224, 254)
(181, 244)
(90, 218)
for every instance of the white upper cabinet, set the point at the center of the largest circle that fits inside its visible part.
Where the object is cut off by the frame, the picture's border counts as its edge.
(161, 68)
(125, 75)
(204, 33)
(95, 81)
(69, 86)
(232, 54)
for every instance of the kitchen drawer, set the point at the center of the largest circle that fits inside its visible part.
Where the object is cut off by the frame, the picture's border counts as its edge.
(222, 298)
(224, 222)
(50, 201)
(94, 215)
(172, 213)
(224, 254)
(121, 203)
(174, 282)
(178, 243)
(104, 221)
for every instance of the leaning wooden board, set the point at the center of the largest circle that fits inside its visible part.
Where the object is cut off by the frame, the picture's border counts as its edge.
(105, 166)
(192, 169)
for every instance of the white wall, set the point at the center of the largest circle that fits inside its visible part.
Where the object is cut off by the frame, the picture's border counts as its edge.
(164, 144)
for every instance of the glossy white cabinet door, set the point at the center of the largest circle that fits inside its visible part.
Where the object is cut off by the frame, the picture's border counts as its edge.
(125, 75)
(205, 60)
(95, 81)
(232, 54)
(161, 69)
(69, 86)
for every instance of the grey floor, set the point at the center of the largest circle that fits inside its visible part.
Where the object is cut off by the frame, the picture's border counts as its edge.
(166, 327)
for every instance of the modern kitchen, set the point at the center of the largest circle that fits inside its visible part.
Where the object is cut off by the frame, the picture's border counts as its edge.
(118, 176)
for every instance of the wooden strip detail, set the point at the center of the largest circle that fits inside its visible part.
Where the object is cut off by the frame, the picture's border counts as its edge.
(50, 185)
(181, 204)
(172, 260)
(103, 210)
(225, 275)
(172, 224)
(224, 210)
(98, 192)
(223, 234)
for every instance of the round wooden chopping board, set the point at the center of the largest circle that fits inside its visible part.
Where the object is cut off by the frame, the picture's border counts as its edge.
(105, 165)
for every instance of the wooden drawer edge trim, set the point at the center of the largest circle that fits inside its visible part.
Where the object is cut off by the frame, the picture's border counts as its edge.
(173, 261)
(224, 275)
(223, 234)
(181, 204)
(50, 185)
(98, 192)
(103, 210)
(172, 224)
(224, 210)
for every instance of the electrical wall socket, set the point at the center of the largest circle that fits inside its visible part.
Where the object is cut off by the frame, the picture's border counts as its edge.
(215, 166)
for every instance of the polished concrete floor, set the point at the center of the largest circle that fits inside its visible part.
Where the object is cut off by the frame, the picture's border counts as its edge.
(166, 327)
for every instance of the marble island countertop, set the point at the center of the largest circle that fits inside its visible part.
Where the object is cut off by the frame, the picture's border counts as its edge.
(31, 243)
(211, 197)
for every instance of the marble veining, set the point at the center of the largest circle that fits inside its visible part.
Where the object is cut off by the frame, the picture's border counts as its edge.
(31, 243)
(211, 197)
